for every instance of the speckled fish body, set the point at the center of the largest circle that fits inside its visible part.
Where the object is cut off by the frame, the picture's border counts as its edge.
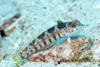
(53, 34)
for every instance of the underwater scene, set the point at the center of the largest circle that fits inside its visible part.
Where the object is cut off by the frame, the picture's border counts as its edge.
(49, 33)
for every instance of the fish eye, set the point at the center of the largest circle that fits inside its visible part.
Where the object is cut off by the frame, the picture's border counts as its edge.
(73, 25)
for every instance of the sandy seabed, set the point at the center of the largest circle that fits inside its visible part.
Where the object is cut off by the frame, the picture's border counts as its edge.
(39, 15)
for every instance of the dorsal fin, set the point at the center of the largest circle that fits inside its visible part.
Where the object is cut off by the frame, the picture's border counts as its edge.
(59, 22)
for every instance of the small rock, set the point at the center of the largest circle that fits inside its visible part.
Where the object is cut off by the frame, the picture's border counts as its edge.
(1, 57)
(98, 64)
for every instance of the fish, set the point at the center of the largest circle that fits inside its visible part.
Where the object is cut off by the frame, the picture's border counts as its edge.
(51, 35)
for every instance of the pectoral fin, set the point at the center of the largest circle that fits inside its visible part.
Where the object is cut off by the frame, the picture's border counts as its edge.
(69, 40)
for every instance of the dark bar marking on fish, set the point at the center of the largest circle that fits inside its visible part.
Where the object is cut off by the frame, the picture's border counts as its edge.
(25, 49)
(50, 40)
(31, 51)
(44, 43)
(50, 30)
(27, 54)
(41, 35)
(35, 48)
(59, 35)
(54, 37)
(62, 25)
(32, 43)
(40, 45)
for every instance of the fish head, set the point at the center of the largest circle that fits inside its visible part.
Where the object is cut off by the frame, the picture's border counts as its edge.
(73, 27)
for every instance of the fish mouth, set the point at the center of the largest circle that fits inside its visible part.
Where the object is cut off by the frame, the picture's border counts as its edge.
(78, 23)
